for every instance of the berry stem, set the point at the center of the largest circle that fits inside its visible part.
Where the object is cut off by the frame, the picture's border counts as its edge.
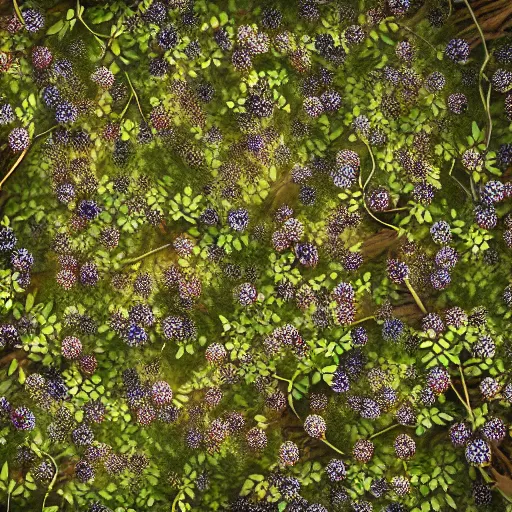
(331, 445)
(135, 94)
(18, 12)
(415, 296)
(486, 102)
(145, 255)
(383, 431)
(52, 483)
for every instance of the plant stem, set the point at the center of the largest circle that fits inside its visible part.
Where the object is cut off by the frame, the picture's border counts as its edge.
(363, 187)
(331, 445)
(462, 186)
(145, 255)
(384, 430)
(18, 12)
(135, 94)
(46, 131)
(52, 483)
(290, 389)
(176, 500)
(466, 394)
(401, 209)
(280, 378)
(486, 102)
(361, 320)
(13, 168)
(473, 189)
(96, 35)
(126, 106)
(415, 296)
(373, 169)
(462, 401)
(418, 36)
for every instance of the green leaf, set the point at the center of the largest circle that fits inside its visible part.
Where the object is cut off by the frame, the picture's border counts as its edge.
(56, 27)
(449, 501)
(116, 50)
(180, 353)
(475, 131)
(4, 474)
(29, 302)
(12, 367)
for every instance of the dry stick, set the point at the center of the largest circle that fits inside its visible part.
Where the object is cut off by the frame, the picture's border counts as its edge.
(415, 296)
(488, 479)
